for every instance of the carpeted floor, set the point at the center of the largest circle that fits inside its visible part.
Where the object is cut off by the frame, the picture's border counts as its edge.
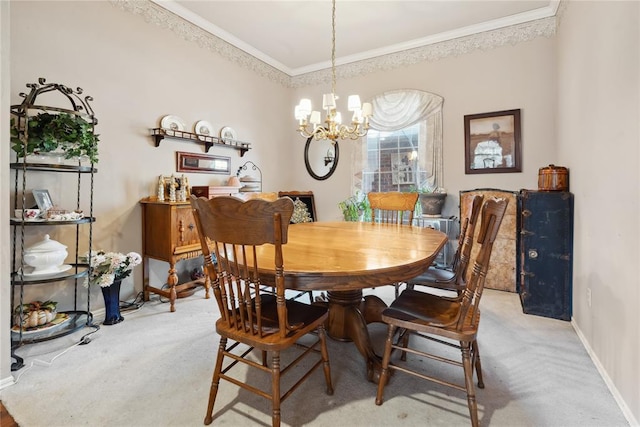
(154, 369)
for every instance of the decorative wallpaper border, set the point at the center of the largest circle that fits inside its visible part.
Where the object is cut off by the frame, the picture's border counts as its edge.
(512, 35)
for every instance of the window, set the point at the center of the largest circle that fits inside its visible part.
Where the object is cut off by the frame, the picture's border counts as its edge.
(403, 149)
(392, 160)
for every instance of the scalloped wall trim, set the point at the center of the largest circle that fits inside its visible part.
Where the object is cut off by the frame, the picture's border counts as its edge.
(511, 35)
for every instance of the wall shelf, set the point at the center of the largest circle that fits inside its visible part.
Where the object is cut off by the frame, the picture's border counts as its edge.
(208, 141)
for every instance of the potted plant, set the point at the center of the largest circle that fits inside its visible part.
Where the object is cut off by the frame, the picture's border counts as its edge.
(356, 207)
(68, 135)
(431, 199)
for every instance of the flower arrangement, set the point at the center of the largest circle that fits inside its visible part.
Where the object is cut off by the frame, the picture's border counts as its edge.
(107, 267)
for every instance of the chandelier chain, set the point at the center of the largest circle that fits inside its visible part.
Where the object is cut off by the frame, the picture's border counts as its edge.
(309, 120)
(333, 47)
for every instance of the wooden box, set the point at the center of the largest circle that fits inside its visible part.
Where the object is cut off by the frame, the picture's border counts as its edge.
(210, 191)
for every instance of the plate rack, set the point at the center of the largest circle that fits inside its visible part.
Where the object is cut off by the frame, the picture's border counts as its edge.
(257, 182)
(208, 141)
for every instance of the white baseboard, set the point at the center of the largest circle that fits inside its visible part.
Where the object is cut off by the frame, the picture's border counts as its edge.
(605, 376)
(6, 382)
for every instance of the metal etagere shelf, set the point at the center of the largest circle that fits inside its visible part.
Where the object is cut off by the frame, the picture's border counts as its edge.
(77, 314)
(250, 183)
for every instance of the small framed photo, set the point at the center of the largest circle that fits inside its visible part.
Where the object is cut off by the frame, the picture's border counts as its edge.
(492, 142)
(43, 199)
(402, 168)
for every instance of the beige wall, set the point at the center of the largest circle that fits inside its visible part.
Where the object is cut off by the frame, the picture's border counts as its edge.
(509, 77)
(598, 139)
(138, 72)
(5, 291)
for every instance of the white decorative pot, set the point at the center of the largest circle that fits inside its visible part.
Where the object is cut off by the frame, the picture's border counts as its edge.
(46, 255)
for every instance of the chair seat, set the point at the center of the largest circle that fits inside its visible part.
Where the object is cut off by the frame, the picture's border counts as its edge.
(429, 313)
(434, 274)
(303, 317)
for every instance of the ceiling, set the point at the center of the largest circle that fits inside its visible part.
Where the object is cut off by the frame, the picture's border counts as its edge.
(295, 36)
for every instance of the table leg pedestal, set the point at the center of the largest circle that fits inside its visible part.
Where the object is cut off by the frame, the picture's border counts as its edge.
(349, 315)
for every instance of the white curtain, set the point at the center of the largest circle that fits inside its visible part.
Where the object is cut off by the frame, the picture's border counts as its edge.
(399, 109)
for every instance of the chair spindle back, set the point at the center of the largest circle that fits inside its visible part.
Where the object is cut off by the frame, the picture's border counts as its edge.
(493, 211)
(392, 207)
(465, 241)
(232, 229)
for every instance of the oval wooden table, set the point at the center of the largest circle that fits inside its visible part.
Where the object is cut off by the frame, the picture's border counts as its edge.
(343, 258)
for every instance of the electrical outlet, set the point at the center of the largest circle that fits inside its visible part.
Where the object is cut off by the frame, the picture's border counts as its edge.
(589, 297)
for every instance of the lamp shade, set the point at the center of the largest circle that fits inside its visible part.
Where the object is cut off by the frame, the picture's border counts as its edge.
(353, 103)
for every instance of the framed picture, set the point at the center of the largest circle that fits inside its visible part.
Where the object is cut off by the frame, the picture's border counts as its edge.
(402, 169)
(203, 163)
(492, 142)
(43, 199)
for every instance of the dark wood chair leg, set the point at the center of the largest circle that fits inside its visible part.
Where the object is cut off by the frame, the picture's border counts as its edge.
(215, 381)
(384, 373)
(476, 355)
(275, 389)
(405, 343)
(468, 380)
(325, 359)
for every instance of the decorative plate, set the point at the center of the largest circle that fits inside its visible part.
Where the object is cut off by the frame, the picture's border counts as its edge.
(60, 319)
(172, 123)
(203, 128)
(228, 133)
(29, 273)
(248, 178)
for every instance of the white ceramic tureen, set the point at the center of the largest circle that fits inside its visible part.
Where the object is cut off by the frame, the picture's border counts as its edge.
(45, 256)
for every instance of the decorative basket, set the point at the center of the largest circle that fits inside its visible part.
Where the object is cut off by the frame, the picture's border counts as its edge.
(553, 178)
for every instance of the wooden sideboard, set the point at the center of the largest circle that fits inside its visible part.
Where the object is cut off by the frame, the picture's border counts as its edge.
(169, 234)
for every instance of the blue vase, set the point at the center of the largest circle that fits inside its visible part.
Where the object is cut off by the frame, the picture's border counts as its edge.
(111, 296)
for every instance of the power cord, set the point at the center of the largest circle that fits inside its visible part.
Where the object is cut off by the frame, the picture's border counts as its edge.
(136, 304)
(85, 339)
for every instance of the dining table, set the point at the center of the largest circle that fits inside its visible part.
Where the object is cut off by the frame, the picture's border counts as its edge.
(342, 258)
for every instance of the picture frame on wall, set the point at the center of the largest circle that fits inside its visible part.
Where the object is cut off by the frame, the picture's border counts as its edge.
(202, 163)
(403, 168)
(492, 142)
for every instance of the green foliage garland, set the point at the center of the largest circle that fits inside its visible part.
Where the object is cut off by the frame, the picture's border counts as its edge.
(47, 132)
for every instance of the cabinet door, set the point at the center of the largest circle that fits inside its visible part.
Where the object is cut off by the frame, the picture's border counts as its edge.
(185, 227)
(545, 253)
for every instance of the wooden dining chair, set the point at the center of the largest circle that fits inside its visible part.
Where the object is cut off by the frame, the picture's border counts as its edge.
(393, 207)
(453, 279)
(250, 317)
(451, 321)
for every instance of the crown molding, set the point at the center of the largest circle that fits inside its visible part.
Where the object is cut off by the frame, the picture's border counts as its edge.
(463, 41)
(157, 15)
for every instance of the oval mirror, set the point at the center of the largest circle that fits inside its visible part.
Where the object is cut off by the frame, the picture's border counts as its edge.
(321, 157)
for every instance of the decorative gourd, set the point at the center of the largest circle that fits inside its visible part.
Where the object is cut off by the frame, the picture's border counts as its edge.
(36, 313)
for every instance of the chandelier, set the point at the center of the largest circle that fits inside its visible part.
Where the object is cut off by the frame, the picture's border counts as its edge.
(309, 124)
